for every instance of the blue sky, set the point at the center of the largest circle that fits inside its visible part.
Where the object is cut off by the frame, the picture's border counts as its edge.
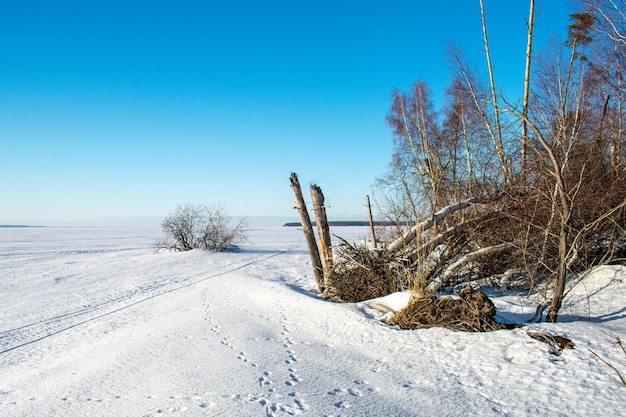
(112, 110)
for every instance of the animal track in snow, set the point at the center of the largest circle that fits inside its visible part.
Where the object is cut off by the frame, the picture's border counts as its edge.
(343, 404)
(272, 406)
(264, 380)
(291, 358)
(293, 378)
(275, 398)
(341, 396)
(181, 403)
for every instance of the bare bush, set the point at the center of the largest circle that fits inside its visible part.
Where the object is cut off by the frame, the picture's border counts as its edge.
(198, 226)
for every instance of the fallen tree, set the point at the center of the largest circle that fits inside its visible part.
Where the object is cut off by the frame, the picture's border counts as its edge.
(439, 282)
(427, 224)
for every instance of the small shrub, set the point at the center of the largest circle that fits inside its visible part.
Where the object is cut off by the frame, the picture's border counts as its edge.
(198, 226)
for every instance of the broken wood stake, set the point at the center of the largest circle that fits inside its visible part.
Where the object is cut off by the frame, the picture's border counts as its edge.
(307, 229)
(323, 231)
(369, 214)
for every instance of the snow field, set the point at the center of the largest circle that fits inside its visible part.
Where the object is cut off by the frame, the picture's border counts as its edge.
(96, 323)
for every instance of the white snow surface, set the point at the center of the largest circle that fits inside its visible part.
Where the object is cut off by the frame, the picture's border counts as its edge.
(95, 323)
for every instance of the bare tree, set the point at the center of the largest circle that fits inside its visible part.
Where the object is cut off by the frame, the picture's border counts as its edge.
(417, 165)
(609, 62)
(497, 131)
(529, 48)
(198, 226)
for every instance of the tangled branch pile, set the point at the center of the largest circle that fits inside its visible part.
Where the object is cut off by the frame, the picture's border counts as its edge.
(362, 274)
(473, 311)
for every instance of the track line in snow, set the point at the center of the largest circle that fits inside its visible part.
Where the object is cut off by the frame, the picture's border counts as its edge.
(34, 332)
(126, 295)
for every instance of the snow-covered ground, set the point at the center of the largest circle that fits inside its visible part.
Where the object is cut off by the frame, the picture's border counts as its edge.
(95, 323)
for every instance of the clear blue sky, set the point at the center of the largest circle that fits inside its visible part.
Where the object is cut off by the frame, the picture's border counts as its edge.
(115, 109)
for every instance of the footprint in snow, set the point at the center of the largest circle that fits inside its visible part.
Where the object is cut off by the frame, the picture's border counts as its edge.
(264, 380)
(338, 391)
(355, 392)
(271, 407)
(291, 358)
(343, 404)
(293, 379)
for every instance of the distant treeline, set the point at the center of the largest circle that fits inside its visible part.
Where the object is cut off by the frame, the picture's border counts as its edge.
(4, 226)
(347, 223)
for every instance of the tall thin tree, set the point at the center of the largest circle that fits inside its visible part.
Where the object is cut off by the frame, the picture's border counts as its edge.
(529, 47)
(497, 137)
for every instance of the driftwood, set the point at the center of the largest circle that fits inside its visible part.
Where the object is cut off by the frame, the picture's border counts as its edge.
(360, 273)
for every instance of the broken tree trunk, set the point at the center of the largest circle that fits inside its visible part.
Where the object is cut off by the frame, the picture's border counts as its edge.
(427, 224)
(443, 280)
(438, 239)
(369, 215)
(307, 229)
(323, 231)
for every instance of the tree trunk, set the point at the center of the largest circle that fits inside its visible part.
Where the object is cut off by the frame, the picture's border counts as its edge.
(323, 231)
(443, 280)
(307, 229)
(559, 281)
(497, 139)
(427, 224)
(527, 83)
